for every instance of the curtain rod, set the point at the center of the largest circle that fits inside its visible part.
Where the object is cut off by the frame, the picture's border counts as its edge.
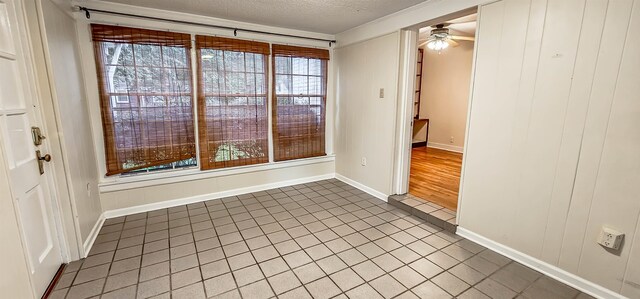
(88, 12)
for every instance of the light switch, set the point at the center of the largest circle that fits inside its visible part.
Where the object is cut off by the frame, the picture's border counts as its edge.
(381, 93)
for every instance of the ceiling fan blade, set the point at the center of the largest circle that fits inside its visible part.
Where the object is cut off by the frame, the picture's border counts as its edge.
(430, 38)
(452, 43)
(459, 37)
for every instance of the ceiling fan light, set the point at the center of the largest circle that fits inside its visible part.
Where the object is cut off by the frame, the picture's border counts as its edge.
(437, 44)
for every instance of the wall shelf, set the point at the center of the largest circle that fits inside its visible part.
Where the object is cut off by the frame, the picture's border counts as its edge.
(416, 103)
(420, 125)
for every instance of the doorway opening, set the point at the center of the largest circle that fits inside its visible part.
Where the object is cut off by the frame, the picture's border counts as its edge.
(443, 74)
(443, 77)
(442, 52)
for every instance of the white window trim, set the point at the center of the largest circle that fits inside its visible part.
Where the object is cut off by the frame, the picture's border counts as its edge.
(119, 183)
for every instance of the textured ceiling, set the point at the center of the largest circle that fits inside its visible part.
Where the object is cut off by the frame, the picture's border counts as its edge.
(323, 16)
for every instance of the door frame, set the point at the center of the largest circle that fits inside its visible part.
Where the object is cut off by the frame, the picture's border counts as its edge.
(69, 226)
(34, 89)
(35, 61)
(406, 88)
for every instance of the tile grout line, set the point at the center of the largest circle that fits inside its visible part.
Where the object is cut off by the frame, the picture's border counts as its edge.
(330, 198)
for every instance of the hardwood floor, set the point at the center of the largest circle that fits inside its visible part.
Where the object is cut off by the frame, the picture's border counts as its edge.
(435, 176)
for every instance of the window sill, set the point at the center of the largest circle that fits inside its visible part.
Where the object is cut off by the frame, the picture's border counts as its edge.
(184, 175)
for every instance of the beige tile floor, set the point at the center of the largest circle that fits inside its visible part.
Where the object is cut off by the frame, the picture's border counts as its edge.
(426, 210)
(318, 240)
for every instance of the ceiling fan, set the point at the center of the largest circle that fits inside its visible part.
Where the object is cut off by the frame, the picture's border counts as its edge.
(440, 38)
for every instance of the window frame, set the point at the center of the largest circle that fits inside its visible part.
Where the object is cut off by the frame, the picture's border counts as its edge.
(245, 47)
(101, 35)
(291, 53)
(140, 179)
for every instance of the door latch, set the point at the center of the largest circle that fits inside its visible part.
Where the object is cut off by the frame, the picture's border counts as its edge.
(41, 160)
(37, 136)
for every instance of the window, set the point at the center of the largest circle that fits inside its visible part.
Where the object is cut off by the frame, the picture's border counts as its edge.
(232, 102)
(146, 98)
(299, 102)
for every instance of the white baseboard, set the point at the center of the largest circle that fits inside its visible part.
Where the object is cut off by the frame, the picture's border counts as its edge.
(362, 187)
(205, 197)
(541, 266)
(88, 243)
(446, 147)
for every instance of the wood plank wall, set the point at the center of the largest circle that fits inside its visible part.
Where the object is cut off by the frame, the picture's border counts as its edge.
(554, 140)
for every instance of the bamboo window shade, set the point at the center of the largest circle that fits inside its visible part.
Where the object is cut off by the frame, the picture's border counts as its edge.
(299, 101)
(146, 96)
(232, 102)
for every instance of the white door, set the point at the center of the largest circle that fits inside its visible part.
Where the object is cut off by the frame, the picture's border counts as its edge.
(33, 200)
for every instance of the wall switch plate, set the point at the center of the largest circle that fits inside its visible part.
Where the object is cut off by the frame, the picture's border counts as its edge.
(381, 93)
(451, 139)
(610, 238)
(363, 161)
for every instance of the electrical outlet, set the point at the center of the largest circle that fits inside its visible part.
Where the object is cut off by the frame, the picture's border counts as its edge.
(610, 238)
(451, 139)
(381, 93)
(363, 161)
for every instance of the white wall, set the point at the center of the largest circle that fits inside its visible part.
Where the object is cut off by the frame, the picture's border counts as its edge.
(65, 75)
(365, 123)
(552, 151)
(445, 94)
(117, 202)
(385, 178)
(554, 135)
